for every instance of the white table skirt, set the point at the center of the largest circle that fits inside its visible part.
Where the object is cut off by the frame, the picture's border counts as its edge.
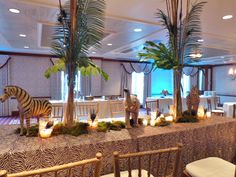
(228, 108)
(165, 102)
(104, 106)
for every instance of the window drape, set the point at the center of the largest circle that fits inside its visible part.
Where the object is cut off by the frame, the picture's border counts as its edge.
(126, 79)
(55, 83)
(4, 80)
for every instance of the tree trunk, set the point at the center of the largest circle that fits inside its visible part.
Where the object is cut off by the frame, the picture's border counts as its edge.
(71, 68)
(177, 94)
(69, 112)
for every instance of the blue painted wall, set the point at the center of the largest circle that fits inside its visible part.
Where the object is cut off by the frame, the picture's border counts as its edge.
(162, 79)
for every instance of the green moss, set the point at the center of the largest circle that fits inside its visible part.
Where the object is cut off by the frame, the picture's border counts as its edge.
(106, 126)
(188, 117)
(33, 131)
(77, 129)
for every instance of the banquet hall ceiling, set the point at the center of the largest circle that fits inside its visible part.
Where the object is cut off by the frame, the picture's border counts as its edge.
(37, 17)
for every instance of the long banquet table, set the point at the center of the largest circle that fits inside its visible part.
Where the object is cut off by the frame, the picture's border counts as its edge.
(211, 137)
(165, 102)
(104, 106)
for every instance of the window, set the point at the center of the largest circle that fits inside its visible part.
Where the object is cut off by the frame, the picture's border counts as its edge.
(200, 80)
(137, 87)
(185, 84)
(64, 85)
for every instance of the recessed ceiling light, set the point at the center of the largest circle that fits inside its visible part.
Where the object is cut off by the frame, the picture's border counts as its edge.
(226, 17)
(26, 47)
(200, 40)
(93, 52)
(138, 30)
(15, 11)
(109, 44)
(22, 35)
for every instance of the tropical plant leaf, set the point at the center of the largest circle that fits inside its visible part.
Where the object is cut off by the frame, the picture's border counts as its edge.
(88, 33)
(59, 65)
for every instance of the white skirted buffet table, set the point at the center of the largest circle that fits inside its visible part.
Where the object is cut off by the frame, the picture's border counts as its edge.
(165, 102)
(104, 105)
(212, 137)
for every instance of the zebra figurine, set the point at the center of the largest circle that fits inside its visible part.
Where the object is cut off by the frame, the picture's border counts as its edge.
(28, 107)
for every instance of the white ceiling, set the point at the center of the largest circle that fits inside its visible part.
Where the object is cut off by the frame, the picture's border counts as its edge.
(122, 16)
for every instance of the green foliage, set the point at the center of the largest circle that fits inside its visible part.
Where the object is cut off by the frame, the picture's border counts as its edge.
(182, 32)
(188, 117)
(106, 126)
(59, 65)
(77, 129)
(163, 123)
(33, 131)
(72, 45)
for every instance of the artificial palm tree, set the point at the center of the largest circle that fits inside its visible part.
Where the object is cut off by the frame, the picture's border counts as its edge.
(183, 32)
(81, 26)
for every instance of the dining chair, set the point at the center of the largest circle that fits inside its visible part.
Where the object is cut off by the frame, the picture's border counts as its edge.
(210, 167)
(57, 111)
(117, 108)
(162, 162)
(83, 110)
(214, 111)
(218, 105)
(234, 111)
(89, 167)
(152, 106)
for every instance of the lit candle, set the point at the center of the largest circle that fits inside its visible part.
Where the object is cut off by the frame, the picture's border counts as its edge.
(208, 114)
(200, 112)
(153, 122)
(45, 133)
(169, 118)
(145, 122)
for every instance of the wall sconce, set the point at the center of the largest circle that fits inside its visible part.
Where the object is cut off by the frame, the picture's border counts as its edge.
(232, 73)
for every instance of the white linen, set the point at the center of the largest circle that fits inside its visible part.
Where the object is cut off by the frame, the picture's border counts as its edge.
(104, 106)
(228, 108)
(165, 102)
(211, 167)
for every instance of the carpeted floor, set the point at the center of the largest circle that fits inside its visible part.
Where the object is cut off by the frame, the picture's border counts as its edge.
(13, 120)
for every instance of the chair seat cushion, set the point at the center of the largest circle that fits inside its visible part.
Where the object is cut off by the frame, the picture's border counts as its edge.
(211, 167)
(126, 174)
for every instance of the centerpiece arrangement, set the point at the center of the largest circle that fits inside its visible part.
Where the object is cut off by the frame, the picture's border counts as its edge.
(80, 26)
(183, 27)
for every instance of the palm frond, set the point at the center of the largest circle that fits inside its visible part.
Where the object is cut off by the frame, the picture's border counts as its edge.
(88, 33)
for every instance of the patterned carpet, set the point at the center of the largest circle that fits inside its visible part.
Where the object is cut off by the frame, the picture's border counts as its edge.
(13, 120)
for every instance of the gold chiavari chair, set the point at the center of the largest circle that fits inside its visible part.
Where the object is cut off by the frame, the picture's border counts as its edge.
(117, 108)
(152, 106)
(155, 166)
(68, 168)
(83, 110)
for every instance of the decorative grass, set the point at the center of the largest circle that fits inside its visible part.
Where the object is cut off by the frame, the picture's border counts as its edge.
(33, 131)
(107, 126)
(188, 117)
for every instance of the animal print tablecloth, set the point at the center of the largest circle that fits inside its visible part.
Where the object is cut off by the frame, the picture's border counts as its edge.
(211, 137)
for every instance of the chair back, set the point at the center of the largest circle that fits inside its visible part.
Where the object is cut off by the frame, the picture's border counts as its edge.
(234, 111)
(84, 109)
(117, 108)
(155, 162)
(209, 107)
(152, 106)
(57, 111)
(67, 169)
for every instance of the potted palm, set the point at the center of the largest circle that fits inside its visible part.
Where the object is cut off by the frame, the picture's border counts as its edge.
(80, 26)
(183, 32)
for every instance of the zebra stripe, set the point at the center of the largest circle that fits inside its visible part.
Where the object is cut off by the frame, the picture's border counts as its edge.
(28, 106)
